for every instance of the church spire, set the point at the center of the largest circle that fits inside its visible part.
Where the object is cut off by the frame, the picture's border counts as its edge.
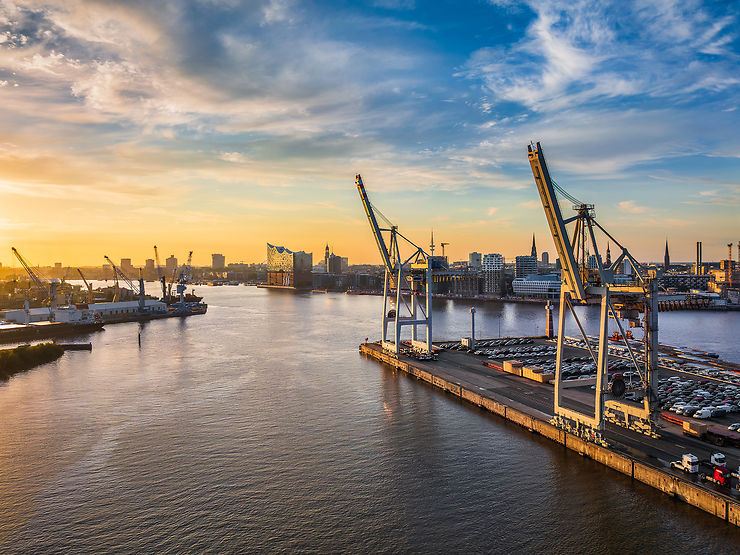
(534, 248)
(667, 257)
(608, 255)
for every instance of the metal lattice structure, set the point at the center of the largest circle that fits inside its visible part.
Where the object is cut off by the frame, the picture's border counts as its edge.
(407, 288)
(586, 279)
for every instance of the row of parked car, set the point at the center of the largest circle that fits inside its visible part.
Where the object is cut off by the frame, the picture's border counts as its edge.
(698, 399)
(458, 346)
(725, 376)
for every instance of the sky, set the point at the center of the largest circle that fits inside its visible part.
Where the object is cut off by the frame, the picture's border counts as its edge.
(221, 125)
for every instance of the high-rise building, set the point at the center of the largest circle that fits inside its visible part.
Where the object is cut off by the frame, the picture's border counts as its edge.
(525, 266)
(475, 260)
(127, 268)
(545, 258)
(149, 266)
(626, 267)
(218, 261)
(493, 273)
(170, 264)
(593, 262)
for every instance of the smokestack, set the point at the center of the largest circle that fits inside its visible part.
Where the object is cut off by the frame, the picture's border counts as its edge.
(698, 257)
(549, 332)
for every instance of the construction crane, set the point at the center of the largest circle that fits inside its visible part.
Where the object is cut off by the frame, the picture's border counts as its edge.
(402, 307)
(160, 275)
(90, 296)
(635, 302)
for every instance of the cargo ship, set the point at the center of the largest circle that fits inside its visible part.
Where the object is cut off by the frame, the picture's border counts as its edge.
(11, 332)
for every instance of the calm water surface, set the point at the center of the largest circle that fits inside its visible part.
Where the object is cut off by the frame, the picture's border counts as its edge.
(259, 427)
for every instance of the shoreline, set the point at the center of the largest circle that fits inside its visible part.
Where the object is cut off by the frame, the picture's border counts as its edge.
(27, 357)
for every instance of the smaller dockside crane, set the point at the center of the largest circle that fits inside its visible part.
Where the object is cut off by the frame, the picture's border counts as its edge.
(137, 290)
(90, 296)
(184, 278)
(407, 289)
(160, 275)
(49, 294)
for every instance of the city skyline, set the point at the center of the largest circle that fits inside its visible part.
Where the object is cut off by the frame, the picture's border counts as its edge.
(509, 260)
(195, 124)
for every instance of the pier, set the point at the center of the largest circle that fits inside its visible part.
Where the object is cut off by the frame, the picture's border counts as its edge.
(530, 405)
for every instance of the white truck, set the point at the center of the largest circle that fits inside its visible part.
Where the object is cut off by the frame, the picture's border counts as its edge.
(689, 463)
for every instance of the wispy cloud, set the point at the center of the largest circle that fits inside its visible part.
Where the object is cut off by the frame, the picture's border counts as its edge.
(629, 207)
(574, 53)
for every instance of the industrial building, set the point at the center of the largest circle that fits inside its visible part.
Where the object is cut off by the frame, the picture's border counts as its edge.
(286, 268)
(463, 283)
(684, 282)
(537, 287)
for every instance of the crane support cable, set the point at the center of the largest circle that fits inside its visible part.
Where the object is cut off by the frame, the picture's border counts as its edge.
(565, 193)
(379, 213)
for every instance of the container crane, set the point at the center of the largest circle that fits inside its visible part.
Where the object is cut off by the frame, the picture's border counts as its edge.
(401, 307)
(635, 302)
(90, 296)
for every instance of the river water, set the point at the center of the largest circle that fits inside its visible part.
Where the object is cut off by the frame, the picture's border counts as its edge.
(259, 427)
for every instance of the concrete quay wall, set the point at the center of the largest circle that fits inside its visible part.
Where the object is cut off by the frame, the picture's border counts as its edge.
(720, 506)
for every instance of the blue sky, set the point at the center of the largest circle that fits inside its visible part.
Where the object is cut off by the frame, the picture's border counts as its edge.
(219, 125)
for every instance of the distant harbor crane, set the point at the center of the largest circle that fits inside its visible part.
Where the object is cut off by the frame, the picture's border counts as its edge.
(48, 294)
(160, 275)
(635, 302)
(402, 307)
(184, 278)
(90, 296)
(138, 290)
